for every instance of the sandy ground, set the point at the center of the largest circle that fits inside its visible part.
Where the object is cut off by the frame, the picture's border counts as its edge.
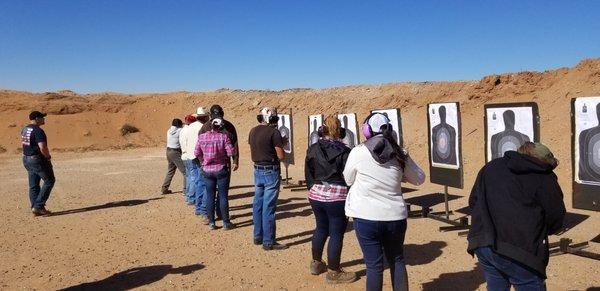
(111, 229)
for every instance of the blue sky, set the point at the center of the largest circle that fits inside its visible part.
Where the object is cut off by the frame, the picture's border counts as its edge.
(149, 46)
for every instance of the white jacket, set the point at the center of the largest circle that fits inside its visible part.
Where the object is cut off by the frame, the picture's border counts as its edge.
(376, 192)
(188, 137)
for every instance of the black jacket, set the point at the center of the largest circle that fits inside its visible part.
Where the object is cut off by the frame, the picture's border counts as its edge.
(516, 203)
(325, 162)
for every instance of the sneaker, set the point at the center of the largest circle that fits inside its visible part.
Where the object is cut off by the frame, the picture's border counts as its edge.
(204, 219)
(275, 247)
(212, 226)
(340, 277)
(40, 211)
(166, 191)
(317, 267)
(228, 226)
(257, 241)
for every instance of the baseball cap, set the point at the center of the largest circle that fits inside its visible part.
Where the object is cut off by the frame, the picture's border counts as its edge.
(36, 114)
(190, 118)
(542, 152)
(376, 121)
(267, 112)
(201, 112)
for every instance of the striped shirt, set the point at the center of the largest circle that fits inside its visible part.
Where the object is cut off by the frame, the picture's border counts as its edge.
(328, 193)
(214, 148)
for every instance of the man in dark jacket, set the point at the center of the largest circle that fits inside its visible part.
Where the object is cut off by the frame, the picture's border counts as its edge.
(516, 203)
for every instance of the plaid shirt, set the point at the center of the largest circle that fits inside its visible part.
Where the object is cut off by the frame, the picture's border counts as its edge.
(214, 149)
(328, 193)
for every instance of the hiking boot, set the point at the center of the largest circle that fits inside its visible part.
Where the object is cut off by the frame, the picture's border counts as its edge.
(164, 192)
(40, 211)
(212, 226)
(257, 241)
(204, 219)
(275, 247)
(340, 277)
(317, 267)
(228, 226)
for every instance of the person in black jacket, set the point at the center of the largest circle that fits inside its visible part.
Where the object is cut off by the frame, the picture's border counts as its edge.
(516, 203)
(325, 162)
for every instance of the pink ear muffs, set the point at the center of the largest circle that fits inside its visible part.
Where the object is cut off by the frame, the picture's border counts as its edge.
(366, 130)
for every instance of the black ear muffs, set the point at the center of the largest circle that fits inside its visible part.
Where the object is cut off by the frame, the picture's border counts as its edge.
(260, 118)
(273, 119)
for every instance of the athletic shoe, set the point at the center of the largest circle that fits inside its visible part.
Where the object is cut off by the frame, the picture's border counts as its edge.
(317, 267)
(167, 192)
(275, 247)
(212, 226)
(40, 211)
(340, 277)
(204, 219)
(257, 241)
(228, 226)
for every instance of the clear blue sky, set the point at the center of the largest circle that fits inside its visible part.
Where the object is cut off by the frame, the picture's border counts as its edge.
(149, 46)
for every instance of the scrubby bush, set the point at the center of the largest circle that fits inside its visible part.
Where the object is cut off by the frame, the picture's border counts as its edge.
(128, 128)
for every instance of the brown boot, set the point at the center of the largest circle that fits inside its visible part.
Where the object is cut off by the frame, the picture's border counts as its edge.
(340, 277)
(317, 267)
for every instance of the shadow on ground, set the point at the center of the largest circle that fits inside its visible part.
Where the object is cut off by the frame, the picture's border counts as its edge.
(466, 280)
(124, 203)
(135, 277)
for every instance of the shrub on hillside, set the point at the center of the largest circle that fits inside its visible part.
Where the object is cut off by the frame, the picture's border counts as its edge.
(128, 128)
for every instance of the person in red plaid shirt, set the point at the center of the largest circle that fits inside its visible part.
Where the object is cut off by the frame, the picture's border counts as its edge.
(214, 149)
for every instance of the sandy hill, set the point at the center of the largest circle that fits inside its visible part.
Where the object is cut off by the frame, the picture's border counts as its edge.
(93, 121)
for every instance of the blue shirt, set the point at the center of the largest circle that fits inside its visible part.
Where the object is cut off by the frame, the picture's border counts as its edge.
(30, 136)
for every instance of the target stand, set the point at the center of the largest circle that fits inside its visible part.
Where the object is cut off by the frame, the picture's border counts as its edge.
(445, 160)
(566, 246)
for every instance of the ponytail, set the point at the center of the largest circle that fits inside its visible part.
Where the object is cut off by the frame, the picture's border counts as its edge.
(388, 133)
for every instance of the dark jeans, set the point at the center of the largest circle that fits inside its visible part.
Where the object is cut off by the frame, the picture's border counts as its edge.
(38, 168)
(375, 239)
(174, 162)
(213, 181)
(501, 272)
(331, 222)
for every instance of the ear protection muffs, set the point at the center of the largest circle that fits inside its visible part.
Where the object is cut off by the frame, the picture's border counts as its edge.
(272, 118)
(366, 128)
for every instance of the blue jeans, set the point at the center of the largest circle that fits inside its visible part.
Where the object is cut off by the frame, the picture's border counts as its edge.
(191, 173)
(375, 239)
(501, 272)
(331, 222)
(213, 181)
(38, 168)
(200, 189)
(266, 192)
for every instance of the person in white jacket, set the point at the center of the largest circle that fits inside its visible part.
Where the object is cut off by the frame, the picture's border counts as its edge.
(374, 171)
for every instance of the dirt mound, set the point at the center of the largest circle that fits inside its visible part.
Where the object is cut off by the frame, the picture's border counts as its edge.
(93, 121)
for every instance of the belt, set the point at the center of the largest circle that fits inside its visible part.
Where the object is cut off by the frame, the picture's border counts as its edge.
(266, 167)
(174, 149)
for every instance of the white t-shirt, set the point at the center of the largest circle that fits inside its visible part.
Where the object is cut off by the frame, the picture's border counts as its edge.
(375, 189)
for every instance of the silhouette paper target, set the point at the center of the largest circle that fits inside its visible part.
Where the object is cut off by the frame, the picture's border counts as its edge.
(284, 125)
(587, 140)
(443, 126)
(509, 126)
(314, 122)
(394, 116)
(444, 133)
(350, 126)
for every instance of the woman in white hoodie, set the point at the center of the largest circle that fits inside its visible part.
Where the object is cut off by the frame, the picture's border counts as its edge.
(374, 171)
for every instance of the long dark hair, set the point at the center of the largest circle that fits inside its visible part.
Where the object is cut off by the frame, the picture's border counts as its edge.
(388, 133)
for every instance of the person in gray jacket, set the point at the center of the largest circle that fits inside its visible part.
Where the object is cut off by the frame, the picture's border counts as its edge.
(174, 161)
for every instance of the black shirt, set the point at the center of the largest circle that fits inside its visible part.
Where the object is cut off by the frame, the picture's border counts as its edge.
(263, 139)
(30, 136)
